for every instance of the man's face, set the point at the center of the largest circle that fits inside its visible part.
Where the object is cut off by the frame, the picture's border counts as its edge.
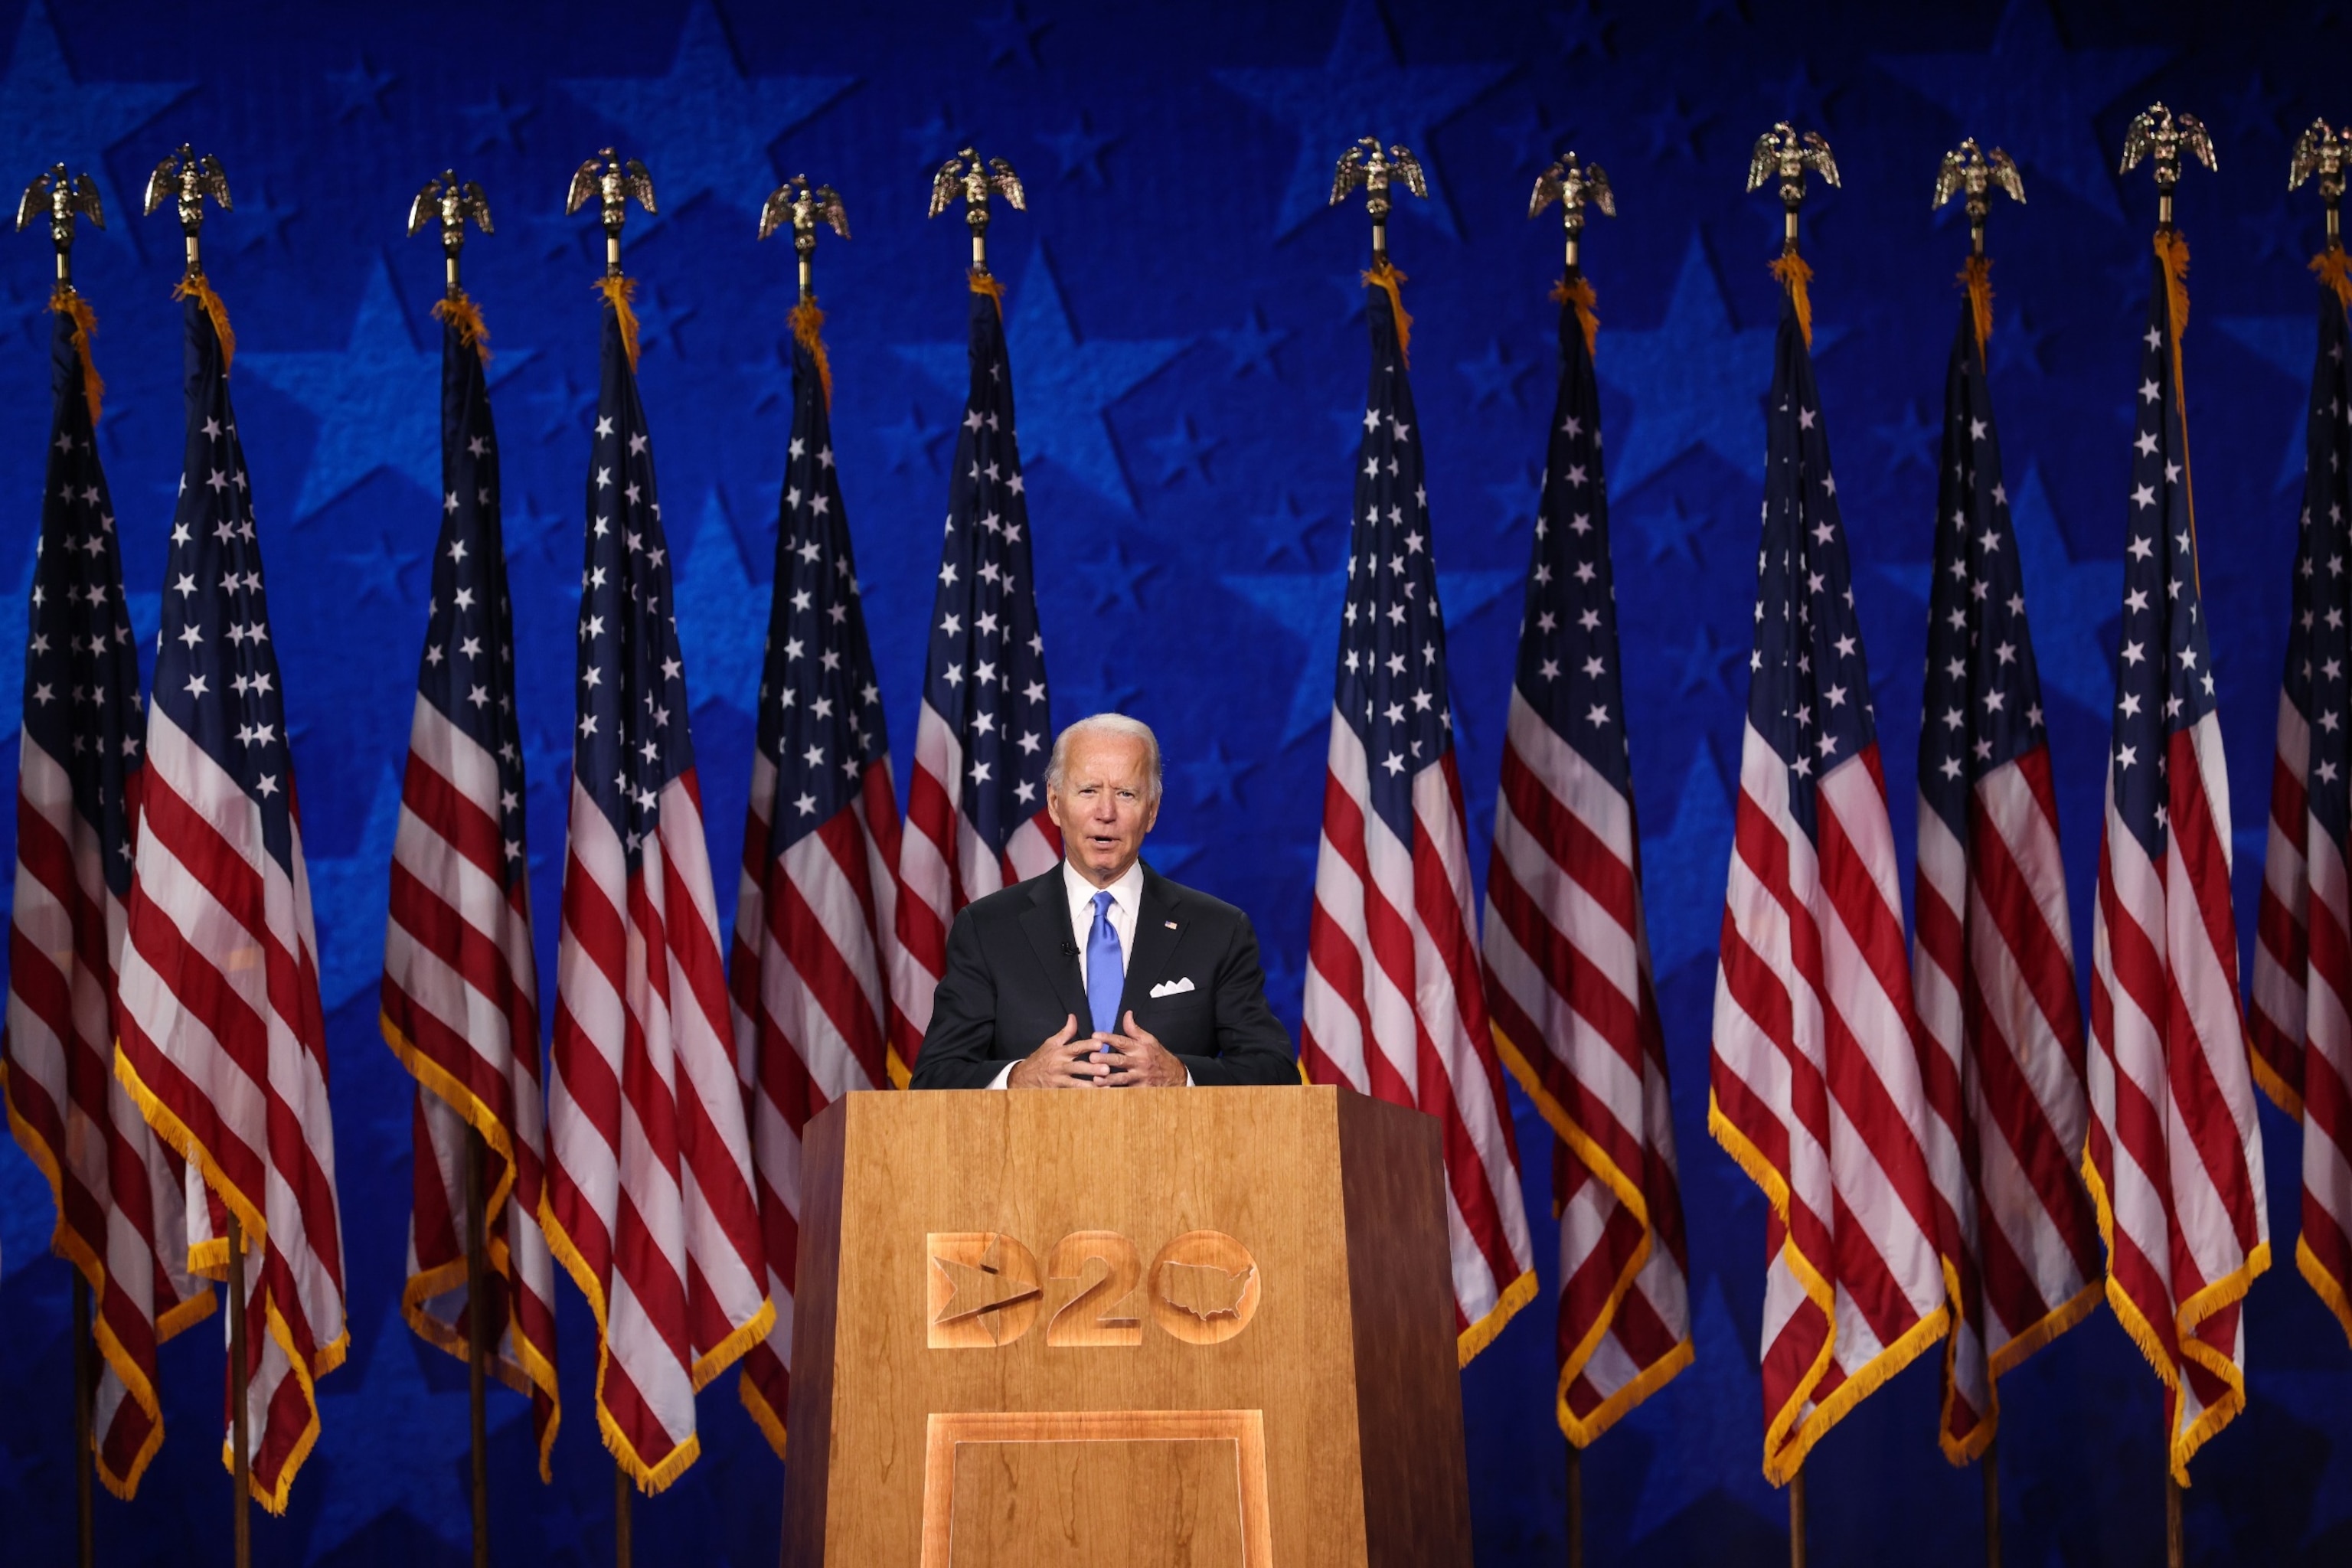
(1104, 806)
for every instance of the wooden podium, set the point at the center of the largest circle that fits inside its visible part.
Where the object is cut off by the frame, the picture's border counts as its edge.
(1204, 1327)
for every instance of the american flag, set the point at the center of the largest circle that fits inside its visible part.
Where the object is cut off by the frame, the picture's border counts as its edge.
(223, 1042)
(976, 802)
(1992, 954)
(2300, 1011)
(1816, 1076)
(650, 1203)
(2175, 1157)
(820, 847)
(460, 996)
(120, 1190)
(1395, 1005)
(1567, 950)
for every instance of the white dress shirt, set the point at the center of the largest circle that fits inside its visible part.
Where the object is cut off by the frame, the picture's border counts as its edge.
(1125, 904)
(1125, 901)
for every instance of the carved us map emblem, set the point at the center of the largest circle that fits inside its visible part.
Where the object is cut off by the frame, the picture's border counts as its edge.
(986, 1289)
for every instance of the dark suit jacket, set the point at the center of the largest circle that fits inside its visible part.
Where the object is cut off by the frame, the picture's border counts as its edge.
(1013, 978)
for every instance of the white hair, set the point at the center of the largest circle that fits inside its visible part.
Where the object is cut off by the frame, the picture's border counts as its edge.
(1057, 766)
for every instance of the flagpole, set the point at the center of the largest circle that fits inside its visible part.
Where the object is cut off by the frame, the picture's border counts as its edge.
(1971, 174)
(1990, 1466)
(1572, 184)
(2159, 136)
(621, 1519)
(453, 201)
(184, 179)
(1575, 1507)
(84, 1330)
(239, 1472)
(1785, 154)
(612, 182)
(477, 1341)
(805, 205)
(1797, 1517)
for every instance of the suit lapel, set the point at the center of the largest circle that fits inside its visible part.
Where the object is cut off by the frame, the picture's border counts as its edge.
(1046, 922)
(1159, 926)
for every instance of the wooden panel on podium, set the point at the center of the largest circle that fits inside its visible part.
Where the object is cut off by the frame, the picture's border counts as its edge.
(1208, 1326)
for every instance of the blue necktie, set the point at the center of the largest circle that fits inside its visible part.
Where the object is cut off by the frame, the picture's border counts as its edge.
(1105, 969)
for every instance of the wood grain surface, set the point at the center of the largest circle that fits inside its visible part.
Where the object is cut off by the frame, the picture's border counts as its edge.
(1143, 1489)
(1267, 1168)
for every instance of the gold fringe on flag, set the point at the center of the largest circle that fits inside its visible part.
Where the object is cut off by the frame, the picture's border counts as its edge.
(458, 311)
(1580, 294)
(618, 291)
(985, 283)
(808, 324)
(1387, 278)
(1977, 277)
(66, 303)
(2172, 250)
(2331, 268)
(198, 287)
(2173, 246)
(1790, 269)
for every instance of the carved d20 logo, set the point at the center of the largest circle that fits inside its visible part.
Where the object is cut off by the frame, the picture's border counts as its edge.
(985, 1288)
(1203, 1287)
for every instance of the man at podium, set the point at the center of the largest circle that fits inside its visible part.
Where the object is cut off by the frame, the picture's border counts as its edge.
(1102, 973)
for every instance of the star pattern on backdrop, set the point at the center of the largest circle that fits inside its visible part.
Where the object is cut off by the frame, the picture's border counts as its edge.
(1362, 87)
(495, 122)
(1302, 604)
(412, 1458)
(1701, 1424)
(1079, 150)
(1286, 530)
(44, 105)
(1686, 377)
(2031, 95)
(1517, 497)
(1182, 451)
(2283, 343)
(1703, 661)
(1494, 374)
(259, 220)
(1066, 385)
(1012, 36)
(2314, 1398)
(1671, 531)
(1909, 439)
(2068, 600)
(348, 897)
(1250, 346)
(13, 605)
(722, 615)
(1682, 865)
(373, 398)
(705, 126)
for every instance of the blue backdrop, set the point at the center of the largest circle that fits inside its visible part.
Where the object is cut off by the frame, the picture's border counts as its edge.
(1187, 337)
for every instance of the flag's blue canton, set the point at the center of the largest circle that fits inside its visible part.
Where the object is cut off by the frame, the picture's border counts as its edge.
(820, 710)
(2164, 680)
(1983, 695)
(215, 668)
(631, 739)
(987, 671)
(1808, 687)
(82, 668)
(2319, 635)
(1567, 668)
(468, 666)
(1391, 687)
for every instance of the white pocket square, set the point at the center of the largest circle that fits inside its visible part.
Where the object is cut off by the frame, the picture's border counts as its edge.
(1172, 987)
